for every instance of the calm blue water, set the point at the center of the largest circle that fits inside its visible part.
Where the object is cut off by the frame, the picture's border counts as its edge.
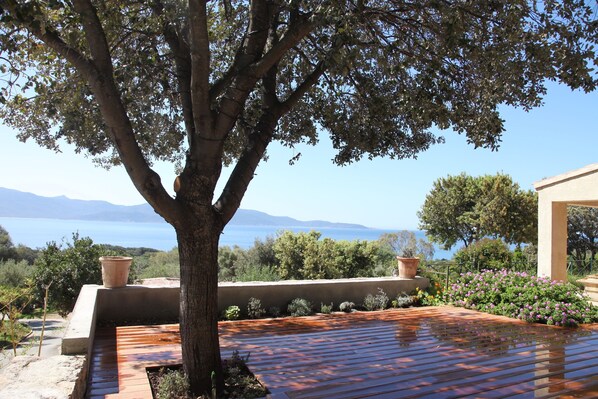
(36, 233)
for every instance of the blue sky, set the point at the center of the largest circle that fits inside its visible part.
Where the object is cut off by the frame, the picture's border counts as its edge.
(558, 137)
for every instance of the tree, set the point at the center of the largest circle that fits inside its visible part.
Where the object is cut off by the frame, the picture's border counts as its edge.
(582, 233)
(207, 84)
(404, 243)
(7, 248)
(465, 208)
(67, 270)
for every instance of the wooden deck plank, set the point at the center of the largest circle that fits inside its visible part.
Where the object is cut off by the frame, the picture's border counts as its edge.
(438, 352)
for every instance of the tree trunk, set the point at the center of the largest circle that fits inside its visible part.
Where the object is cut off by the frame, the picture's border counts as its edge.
(198, 252)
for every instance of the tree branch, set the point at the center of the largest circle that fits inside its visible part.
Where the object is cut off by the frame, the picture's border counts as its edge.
(253, 66)
(297, 31)
(115, 116)
(244, 171)
(182, 60)
(200, 70)
(98, 45)
(309, 81)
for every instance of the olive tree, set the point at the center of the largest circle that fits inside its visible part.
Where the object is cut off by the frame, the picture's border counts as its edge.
(207, 84)
(465, 209)
(7, 248)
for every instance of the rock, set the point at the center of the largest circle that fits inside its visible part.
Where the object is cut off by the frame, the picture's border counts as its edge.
(55, 377)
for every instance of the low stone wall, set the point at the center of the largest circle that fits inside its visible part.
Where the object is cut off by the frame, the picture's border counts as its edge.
(52, 377)
(139, 302)
(280, 293)
(161, 302)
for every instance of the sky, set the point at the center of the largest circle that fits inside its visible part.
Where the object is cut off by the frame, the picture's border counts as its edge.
(560, 136)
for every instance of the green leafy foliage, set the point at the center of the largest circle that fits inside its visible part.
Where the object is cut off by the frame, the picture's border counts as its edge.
(13, 302)
(255, 264)
(15, 274)
(405, 244)
(305, 256)
(7, 248)
(453, 71)
(431, 296)
(300, 307)
(239, 381)
(519, 295)
(402, 301)
(376, 302)
(67, 269)
(465, 209)
(582, 237)
(274, 311)
(173, 384)
(158, 264)
(326, 309)
(484, 254)
(255, 309)
(233, 312)
(346, 307)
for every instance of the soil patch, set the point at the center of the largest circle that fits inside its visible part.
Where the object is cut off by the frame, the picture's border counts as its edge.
(239, 381)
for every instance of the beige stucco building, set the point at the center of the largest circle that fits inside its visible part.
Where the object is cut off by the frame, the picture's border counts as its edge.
(578, 187)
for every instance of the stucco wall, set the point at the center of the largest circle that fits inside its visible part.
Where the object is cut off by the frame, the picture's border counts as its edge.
(162, 302)
(578, 187)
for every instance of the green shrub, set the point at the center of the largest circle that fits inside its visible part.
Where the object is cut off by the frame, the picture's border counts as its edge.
(160, 264)
(257, 273)
(255, 309)
(484, 254)
(299, 307)
(376, 302)
(13, 273)
(274, 311)
(232, 313)
(228, 259)
(173, 384)
(433, 295)
(402, 301)
(326, 309)
(307, 256)
(346, 307)
(13, 302)
(521, 296)
(67, 270)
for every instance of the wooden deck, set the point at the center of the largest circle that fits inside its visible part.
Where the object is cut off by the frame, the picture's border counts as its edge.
(433, 352)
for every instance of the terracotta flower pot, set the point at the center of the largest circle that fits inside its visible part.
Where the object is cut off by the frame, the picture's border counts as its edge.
(115, 270)
(407, 267)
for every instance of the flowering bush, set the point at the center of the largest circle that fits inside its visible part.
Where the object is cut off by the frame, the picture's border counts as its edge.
(432, 296)
(522, 296)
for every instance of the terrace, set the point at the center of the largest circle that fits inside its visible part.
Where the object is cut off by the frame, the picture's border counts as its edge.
(436, 352)
(404, 353)
(415, 352)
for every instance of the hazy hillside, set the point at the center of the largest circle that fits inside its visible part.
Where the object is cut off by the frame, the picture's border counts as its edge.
(15, 203)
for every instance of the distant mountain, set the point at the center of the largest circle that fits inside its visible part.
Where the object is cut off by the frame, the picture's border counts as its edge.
(15, 203)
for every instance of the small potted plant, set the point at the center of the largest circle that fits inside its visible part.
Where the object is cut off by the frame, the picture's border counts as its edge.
(115, 270)
(409, 250)
(408, 263)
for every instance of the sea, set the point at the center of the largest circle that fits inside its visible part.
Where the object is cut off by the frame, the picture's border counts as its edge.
(36, 233)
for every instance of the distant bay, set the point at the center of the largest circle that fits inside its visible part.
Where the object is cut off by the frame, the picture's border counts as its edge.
(36, 233)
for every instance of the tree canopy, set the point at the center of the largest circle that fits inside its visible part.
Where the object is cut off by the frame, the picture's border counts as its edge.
(465, 209)
(7, 248)
(206, 84)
